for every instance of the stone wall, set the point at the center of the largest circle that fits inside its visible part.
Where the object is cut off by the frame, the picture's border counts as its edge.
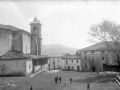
(17, 41)
(97, 58)
(5, 41)
(26, 40)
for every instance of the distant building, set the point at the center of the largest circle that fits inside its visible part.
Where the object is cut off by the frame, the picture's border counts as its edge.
(55, 61)
(20, 50)
(71, 62)
(65, 62)
(95, 56)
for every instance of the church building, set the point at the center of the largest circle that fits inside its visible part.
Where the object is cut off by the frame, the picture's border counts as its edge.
(20, 51)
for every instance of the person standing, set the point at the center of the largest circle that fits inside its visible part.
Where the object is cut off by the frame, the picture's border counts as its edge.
(60, 78)
(56, 80)
(31, 88)
(65, 82)
(70, 80)
(88, 86)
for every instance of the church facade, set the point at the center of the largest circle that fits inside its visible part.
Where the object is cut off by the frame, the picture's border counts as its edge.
(22, 49)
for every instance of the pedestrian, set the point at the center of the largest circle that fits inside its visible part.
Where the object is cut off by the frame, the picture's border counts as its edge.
(65, 82)
(70, 80)
(31, 88)
(88, 86)
(56, 80)
(60, 78)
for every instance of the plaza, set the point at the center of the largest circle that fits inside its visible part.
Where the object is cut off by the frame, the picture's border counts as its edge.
(45, 81)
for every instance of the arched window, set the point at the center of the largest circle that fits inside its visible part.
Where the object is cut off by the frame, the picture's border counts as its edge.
(34, 29)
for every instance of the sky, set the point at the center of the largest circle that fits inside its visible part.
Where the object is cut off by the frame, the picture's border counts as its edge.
(63, 22)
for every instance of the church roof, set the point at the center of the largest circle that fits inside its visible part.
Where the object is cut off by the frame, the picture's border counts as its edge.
(23, 31)
(13, 55)
(9, 27)
(100, 46)
(36, 56)
(70, 57)
(12, 28)
(36, 20)
(18, 55)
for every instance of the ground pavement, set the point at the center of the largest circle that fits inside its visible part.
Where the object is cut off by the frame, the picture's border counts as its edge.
(45, 81)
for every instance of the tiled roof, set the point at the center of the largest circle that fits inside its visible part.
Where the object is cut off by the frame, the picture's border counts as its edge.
(70, 57)
(57, 55)
(12, 28)
(13, 55)
(100, 46)
(24, 32)
(36, 56)
(17, 55)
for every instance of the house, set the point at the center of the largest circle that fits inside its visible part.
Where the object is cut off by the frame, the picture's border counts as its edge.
(16, 63)
(71, 62)
(20, 50)
(64, 62)
(95, 56)
(55, 61)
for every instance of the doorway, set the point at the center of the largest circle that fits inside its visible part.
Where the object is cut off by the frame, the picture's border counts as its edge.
(78, 68)
(68, 67)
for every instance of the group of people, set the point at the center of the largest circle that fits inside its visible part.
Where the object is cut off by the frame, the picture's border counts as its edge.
(59, 79)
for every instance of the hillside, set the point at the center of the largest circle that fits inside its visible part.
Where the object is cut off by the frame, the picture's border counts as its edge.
(57, 48)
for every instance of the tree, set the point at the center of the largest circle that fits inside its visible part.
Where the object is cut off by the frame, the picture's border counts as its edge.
(107, 31)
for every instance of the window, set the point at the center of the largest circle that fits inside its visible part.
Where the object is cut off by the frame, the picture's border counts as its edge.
(103, 58)
(53, 61)
(65, 66)
(58, 60)
(72, 61)
(34, 29)
(77, 61)
(35, 62)
(85, 57)
(72, 68)
(66, 62)
(54, 66)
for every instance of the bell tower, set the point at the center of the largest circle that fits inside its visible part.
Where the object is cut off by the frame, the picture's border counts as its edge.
(36, 39)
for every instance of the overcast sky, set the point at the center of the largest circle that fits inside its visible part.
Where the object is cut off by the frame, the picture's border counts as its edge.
(63, 22)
